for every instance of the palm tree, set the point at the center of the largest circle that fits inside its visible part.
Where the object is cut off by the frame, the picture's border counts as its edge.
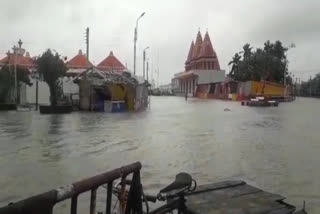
(235, 61)
(247, 51)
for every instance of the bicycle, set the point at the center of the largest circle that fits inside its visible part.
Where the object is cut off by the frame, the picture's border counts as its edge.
(173, 194)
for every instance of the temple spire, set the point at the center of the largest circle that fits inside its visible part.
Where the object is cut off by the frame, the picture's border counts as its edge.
(206, 47)
(197, 46)
(190, 53)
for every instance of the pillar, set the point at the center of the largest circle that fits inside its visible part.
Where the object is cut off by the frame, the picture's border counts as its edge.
(187, 85)
(187, 81)
(193, 86)
(181, 86)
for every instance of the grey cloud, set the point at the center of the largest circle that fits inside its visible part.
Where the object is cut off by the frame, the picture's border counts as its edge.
(168, 28)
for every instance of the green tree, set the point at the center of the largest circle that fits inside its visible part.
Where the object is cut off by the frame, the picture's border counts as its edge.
(247, 51)
(268, 64)
(235, 65)
(51, 67)
(7, 80)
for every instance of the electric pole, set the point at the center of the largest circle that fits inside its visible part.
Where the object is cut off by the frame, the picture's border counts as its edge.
(144, 62)
(147, 70)
(310, 87)
(158, 66)
(16, 50)
(158, 74)
(87, 43)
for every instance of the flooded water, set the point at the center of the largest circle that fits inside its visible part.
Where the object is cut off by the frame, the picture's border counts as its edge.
(276, 149)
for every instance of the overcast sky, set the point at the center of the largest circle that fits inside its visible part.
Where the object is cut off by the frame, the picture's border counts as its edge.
(168, 27)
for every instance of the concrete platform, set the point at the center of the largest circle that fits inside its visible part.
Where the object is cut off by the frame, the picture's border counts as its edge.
(236, 197)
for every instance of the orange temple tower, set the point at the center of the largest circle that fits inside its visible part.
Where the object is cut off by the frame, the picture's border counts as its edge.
(202, 68)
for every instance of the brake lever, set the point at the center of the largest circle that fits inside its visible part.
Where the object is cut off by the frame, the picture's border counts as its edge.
(160, 197)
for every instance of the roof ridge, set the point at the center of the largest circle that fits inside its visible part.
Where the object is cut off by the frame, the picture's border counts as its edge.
(111, 62)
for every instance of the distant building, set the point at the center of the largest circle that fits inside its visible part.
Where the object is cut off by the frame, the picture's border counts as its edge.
(111, 91)
(24, 61)
(111, 63)
(166, 89)
(202, 69)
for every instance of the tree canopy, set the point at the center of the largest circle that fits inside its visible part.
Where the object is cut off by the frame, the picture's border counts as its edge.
(311, 87)
(51, 67)
(7, 80)
(268, 63)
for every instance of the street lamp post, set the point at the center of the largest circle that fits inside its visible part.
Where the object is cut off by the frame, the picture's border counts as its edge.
(144, 61)
(135, 43)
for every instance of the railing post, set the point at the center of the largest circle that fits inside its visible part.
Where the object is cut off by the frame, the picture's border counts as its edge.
(138, 195)
(109, 198)
(74, 203)
(134, 202)
(44, 203)
(93, 201)
(123, 200)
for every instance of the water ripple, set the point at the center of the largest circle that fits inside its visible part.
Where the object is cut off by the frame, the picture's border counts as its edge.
(276, 148)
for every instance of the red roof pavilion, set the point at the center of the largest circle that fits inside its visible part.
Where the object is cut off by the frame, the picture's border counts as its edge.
(78, 64)
(21, 60)
(111, 63)
(79, 61)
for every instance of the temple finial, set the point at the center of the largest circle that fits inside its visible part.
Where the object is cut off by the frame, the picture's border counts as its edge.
(20, 43)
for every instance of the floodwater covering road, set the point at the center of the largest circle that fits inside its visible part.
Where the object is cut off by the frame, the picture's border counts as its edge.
(276, 149)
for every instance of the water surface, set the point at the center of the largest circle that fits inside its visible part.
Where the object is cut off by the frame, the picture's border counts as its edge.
(276, 149)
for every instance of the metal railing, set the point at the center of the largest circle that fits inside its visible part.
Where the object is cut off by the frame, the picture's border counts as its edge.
(44, 203)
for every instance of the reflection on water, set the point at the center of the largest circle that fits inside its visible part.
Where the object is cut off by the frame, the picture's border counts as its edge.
(274, 148)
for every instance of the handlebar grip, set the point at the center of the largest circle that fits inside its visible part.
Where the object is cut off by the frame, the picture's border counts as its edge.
(150, 198)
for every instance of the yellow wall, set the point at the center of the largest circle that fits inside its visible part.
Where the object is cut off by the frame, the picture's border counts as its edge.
(234, 97)
(130, 97)
(270, 89)
(123, 92)
(85, 94)
(117, 92)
